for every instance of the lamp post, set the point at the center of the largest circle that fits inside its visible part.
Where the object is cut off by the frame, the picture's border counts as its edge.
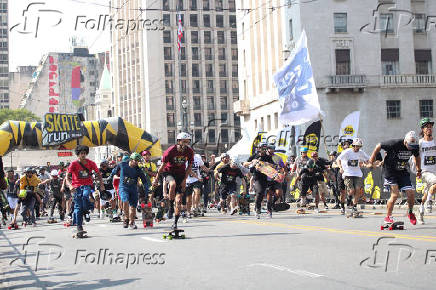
(185, 115)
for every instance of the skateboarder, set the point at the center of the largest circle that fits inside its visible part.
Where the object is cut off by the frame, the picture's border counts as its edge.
(54, 186)
(227, 176)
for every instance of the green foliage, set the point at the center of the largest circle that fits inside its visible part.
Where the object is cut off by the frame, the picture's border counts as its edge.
(17, 115)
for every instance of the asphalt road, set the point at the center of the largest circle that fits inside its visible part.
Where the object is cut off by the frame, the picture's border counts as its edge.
(233, 252)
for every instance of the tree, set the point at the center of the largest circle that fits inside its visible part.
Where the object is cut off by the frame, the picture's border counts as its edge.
(17, 115)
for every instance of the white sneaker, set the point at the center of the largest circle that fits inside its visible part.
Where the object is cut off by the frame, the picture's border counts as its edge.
(235, 210)
(101, 215)
(316, 210)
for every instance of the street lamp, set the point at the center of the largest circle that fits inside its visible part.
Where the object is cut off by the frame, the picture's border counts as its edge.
(185, 115)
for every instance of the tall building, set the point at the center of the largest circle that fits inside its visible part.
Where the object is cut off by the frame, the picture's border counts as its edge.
(18, 84)
(4, 55)
(163, 89)
(372, 56)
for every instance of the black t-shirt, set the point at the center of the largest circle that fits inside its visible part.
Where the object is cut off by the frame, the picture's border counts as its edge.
(228, 175)
(308, 173)
(320, 167)
(55, 185)
(397, 156)
(105, 173)
(256, 174)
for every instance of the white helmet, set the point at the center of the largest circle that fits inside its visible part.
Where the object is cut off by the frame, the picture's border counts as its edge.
(357, 142)
(54, 172)
(183, 136)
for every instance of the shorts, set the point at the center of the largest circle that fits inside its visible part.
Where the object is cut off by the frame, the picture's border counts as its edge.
(274, 185)
(129, 195)
(13, 202)
(340, 182)
(402, 180)
(226, 191)
(429, 178)
(190, 187)
(103, 202)
(178, 179)
(353, 182)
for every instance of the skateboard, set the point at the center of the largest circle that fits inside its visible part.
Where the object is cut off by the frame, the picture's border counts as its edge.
(357, 214)
(52, 221)
(115, 219)
(310, 206)
(300, 211)
(269, 170)
(392, 226)
(281, 206)
(147, 215)
(80, 235)
(175, 234)
(13, 227)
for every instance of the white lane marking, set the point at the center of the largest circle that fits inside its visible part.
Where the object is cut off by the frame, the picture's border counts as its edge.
(103, 226)
(153, 240)
(296, 272)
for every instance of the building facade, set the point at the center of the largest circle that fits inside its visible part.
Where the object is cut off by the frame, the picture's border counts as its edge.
(4, 55)
(18, 84)
(164, 89)
(370, 56)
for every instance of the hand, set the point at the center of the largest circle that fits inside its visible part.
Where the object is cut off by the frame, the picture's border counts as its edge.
(155, 183)
(418, 173)
(341, 171)
(101, 187)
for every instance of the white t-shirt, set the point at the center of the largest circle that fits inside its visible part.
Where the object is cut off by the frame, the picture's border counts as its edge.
(198, 163)
(427, 151)
(350, 162)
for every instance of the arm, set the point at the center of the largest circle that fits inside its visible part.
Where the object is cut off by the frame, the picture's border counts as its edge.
(374, 154)
(145, 181)
(418, 166)
(44, 182)
(159, 173)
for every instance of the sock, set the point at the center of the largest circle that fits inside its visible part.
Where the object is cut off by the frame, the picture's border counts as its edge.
(176, 219)
(342, 205)
(410, 210)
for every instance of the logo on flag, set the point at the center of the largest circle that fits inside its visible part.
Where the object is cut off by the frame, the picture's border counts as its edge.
(179, 33)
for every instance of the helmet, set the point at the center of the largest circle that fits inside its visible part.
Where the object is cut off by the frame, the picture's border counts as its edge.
(28, 169)
(81, 148)
(135, 156)
(22, 193)
(357, 142)
(183, 136)
(145, 152)
(425, 121)
(120, 154)
(333, 153)
(262, 145)
(54, 172)
(125, 158)
(224, 155)
(271, 146)
(104, 162)
(304, 149)
(310, 164)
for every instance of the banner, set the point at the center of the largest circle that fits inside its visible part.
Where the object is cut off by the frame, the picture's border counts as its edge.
(60, 128)
(53, 84)
(350, 125)
(296, 87)
(312, 137)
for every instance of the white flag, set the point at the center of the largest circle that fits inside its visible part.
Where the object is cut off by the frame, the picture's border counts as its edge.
(297, 91)
(350, 125)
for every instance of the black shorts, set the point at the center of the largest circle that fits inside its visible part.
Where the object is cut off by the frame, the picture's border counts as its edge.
(274, 185)
(224, 191)
(178, 179)
(401, 179)
(340, 182)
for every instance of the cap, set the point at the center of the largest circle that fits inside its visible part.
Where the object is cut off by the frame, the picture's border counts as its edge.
(183, 136)
(271, 146)
(357, 142)
(425, 121)
(135, 156)
(54, 172)
(333, 153)
(411, 138)
(224, 155)
(304, 149)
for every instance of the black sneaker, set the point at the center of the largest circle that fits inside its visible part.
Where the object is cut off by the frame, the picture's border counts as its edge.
(174, 226)
(170, 213)
(337, 206)
(87, 217)
(126, 223)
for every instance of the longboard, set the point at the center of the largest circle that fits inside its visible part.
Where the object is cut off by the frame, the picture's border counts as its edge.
(281, 206)
(267, 169)
(76, 235)
(392, 226)
(175, 234)
(357, 214)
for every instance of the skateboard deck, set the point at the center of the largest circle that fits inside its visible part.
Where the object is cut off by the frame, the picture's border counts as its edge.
(76, 235)
(115, 219)
(357, 214)
(269, 170)
(13, 227)
(147, 215)
(301, 211)
(175, 234)
(281, 206)
(392, 226)
(53, 221)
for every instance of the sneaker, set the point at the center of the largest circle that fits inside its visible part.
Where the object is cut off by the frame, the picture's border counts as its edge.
(337, 206)
(87, 217)
(133, 227)
(258, 215)
(429, 207)
(412, 218)
(343, 211)
(316, 210)
(421, 217)
(126, 223)
(269, 214)
(326, 207)
(388, 220)
(235, 210)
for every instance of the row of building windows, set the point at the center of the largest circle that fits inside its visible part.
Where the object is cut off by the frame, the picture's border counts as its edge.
(194, 21)
(195, 53)
(171, 119)
(197, 103)
(196, 86)
(193, 5)
(207, 37)
(210, 136)
(259, 124)
(393, 109)
(196, 72)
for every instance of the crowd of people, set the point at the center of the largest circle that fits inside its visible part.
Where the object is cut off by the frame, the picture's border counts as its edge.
(183, 184)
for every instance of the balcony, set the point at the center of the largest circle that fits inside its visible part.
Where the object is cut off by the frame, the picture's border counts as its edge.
(347, 81)
(411, 81)
(242, 107)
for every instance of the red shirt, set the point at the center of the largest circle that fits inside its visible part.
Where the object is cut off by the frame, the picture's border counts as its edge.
(176, 161)
(81, 176)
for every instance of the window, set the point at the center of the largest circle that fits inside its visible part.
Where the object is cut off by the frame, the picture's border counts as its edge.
(195, 53)
(207, 37)
(211, 119)
(197, 119)
(171, 137)
(196, 86)
(423, 61)
(386, 22)
(223, 86)
(419, 23)
(221, 53)
(393, 109)
(180, 5)
(235, 70)
(166, 5)
(169, 86)
(426, 108)
(276, 120)
(198, 135)
(171, 120)
(209, 70)
(291, 30)
(193, 5)
(208, 53)
(168, 70)
(232, 6)
(170, 103)
(211, 135)
(220, 37)
(223, 102)
(206, 5)
(193, 20)
(211, 103)
(340, 22)
(194, 36)
(224, 135)
(195, 70)
(234, 37)
(168, 55)
(167, 36)
(219, 21)
(234, 54)
(183, 70)
(182, 53)
(223, 70)
(223, 117)
(183, 86)
(206, 20)
(235, 87)
(166, 20)
(390, 61)
(268, 123)
(232, 21)
(210, 87)
(236, 120)
(343, 61)
(219, 5)
(197, 102)
(182, 18)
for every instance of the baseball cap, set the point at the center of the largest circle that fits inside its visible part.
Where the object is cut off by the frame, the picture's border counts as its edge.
(411, 138)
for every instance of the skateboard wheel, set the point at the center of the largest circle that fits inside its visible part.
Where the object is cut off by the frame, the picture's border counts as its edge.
(382, 228)
(164, 237)
(170, 237)
(183, 236)
(151, 225)
(390, 228)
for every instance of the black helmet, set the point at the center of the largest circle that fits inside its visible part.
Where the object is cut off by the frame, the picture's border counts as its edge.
(104, 162)
(81, 148)
(310, 164)
(28, 169)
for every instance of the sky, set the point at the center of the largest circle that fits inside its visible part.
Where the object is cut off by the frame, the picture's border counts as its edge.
(56, 28)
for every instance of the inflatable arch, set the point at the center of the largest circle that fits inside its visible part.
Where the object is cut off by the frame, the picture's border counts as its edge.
(110, 131)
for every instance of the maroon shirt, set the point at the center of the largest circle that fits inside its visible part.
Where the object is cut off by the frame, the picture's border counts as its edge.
(176, 161)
